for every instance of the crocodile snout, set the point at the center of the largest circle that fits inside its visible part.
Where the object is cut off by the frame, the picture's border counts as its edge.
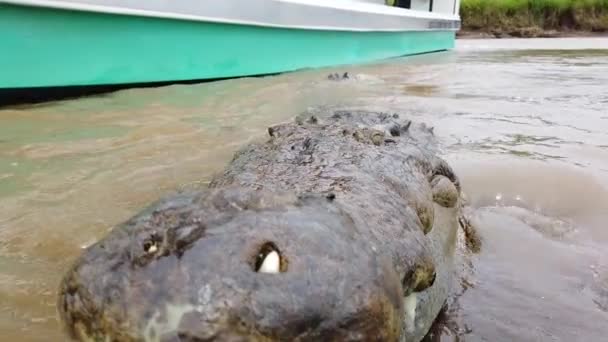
(203, 267)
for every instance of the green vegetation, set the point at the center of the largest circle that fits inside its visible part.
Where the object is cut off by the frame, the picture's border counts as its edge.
(519, 17)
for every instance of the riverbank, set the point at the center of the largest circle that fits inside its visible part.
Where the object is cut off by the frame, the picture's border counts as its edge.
(533, 18)
(530, 32)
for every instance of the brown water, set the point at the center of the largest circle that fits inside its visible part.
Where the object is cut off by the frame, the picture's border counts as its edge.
(524, 122)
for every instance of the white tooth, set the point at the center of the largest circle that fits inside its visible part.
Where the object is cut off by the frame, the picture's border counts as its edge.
(410, 303)
(153, 249)
(271, 263)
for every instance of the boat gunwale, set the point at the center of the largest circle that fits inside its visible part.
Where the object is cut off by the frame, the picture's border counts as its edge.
(402, 13)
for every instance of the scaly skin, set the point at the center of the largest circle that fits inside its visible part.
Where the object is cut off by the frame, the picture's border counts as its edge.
(360, 211)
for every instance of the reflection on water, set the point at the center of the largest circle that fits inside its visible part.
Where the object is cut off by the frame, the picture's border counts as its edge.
(523, 122)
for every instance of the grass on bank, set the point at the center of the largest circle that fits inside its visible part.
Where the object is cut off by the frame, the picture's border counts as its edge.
(513, 15)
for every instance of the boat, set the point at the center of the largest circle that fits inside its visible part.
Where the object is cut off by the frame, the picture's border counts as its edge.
(63, 43)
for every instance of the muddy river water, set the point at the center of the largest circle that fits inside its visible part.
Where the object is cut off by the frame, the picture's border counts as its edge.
(524, 123)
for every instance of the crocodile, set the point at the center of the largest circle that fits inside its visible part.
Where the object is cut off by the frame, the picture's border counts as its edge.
(340, 226)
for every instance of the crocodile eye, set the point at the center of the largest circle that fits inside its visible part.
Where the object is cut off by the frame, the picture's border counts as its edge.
(269, 259)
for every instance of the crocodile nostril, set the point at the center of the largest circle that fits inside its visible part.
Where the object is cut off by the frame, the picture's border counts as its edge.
(269, 259)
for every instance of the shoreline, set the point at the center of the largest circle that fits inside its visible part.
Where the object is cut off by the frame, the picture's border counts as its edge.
(533, 18)
(526, 33)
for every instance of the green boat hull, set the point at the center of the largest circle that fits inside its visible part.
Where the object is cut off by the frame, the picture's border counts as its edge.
(45, 47)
